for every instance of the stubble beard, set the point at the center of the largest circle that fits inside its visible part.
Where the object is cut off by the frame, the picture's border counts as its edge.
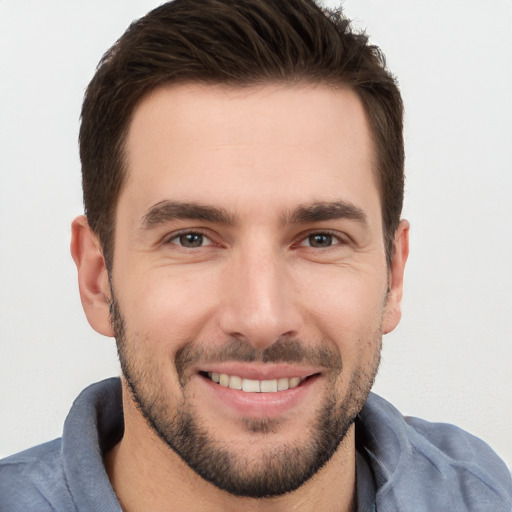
(278, 470)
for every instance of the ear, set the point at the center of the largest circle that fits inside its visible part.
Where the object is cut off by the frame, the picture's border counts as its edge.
(393, 309)
(92, 275)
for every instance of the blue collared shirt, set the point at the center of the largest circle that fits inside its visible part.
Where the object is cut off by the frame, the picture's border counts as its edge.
(403, 464)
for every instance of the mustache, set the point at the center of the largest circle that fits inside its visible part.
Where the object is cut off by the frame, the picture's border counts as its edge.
(284, 350)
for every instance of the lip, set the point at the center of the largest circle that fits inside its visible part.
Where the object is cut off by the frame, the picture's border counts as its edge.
(260, 371)
(258, 405)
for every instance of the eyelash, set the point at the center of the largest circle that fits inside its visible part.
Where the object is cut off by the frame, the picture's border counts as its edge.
(302, 242)
(338, 239)
(198, 232)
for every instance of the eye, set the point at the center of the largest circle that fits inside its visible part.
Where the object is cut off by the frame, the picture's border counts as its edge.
(320, 240)
(190, 240)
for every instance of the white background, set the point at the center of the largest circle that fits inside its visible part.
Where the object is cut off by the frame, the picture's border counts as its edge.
(450, 358)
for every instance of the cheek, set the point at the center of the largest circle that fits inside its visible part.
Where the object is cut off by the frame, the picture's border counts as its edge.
(348, 303)
(167, 308)
(348, 314)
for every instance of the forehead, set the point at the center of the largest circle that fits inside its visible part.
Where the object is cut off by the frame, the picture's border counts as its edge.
(279, 143)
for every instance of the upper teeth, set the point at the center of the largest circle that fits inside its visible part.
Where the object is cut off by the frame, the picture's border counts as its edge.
(254, 386)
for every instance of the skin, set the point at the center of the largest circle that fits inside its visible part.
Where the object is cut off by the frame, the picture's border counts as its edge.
(258, 154)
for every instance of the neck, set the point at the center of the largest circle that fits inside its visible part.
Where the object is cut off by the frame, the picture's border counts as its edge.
(148, 475)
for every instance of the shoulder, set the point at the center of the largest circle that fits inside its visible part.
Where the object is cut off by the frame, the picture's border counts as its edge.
(432, 464)
(473, 472)
(33, 480)
(456, 446)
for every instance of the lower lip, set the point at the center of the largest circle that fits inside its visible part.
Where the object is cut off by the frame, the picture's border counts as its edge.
(258, 405)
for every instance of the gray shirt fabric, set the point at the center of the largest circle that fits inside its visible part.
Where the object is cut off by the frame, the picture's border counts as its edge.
(403, 464)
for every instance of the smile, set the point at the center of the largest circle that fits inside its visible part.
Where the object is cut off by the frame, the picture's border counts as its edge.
(254, 386)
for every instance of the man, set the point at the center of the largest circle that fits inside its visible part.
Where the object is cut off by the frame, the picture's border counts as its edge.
(243, 182)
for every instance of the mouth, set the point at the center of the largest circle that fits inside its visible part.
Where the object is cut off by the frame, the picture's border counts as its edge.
(258, 391)
(256, 386)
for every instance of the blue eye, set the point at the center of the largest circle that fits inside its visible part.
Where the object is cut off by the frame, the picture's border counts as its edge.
(190, 240)
(320, 240)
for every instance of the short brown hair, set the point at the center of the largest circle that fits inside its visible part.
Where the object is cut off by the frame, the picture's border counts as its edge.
(240, 43)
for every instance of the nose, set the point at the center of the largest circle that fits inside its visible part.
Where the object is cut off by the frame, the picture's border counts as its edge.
(259, 303)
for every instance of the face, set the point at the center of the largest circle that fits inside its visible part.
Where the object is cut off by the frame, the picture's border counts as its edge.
(249, 286)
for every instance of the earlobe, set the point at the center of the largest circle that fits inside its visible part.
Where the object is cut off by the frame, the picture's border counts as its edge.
(92, 275)
(393, 310)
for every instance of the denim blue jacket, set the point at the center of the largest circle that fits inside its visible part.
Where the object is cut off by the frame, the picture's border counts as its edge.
(403, 464)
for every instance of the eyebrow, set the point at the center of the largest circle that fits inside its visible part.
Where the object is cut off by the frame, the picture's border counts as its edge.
(167, 211)
(317, 212)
